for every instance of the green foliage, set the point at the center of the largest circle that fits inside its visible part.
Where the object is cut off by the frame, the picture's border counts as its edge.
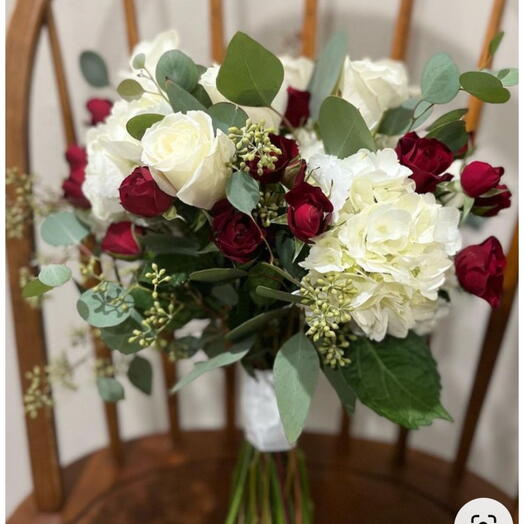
(179, 68)
(139, 61)
(181, 100)
(140, 374)
(327, 72)
(276, 294)
(262, 275)
(343, 129)
(440, 79)
(54, 275)
(484, 86)
(296, 370)
(226, 294)
(495, 42)
(252, 325)
(218, 274)
(236, 353)
(201, 95)
(105, 305)
(63, 229)
(226, 115)
(35, 288)
(409, 115)
(250, 75)
(110, 389)
(446, 118)
(130, 89)
(117, 337)
(453, 134)
(243, 192)
(163, 243)
(139, 124)
(508, 76)
(397, 378)
(339, 381)
(94, 69)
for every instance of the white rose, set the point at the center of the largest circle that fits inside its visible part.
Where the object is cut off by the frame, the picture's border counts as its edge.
(297, 71)
(374, 87)
(187, 159)
(208, 80)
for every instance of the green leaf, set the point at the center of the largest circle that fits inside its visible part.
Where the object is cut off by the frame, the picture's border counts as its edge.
(469, 202)
(139, 61)
(35, 288)
(181, 100)
(110, 389)
(162, 243)
(495, 42)
(236, 353)
(63, 229)
(117, 337)
(508, 76)
(446, 118)
(130, 89)
(54, 275)
(343, 129)
(250, 75)
(252, 325)
(396, 121)
(105, 305)
(440, 79)
(277, 294)
(139, 124)
(397, 378)
(226, 294)
(484, 86)
(201, 95)
(327, 72)
(140, 374)
(94, 69)
(262, 275)
(226, 115)
(453, 134)
(219, 274)
(178, 67)
(243, 192)
(281, 272)
(296, 370)
(338, 380)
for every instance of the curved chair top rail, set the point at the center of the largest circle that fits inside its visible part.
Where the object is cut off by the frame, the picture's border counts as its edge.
(29, 19)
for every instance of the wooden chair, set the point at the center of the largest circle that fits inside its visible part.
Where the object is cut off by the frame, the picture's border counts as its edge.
(183, 477)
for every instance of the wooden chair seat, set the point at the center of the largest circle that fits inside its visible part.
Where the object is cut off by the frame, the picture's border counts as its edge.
(189, 483)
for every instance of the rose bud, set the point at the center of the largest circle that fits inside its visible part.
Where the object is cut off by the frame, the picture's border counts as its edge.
(480, 268)
(121, 240)
(76, 157)
(479, 177)
(489, 204)
(308, 212)
(140, 194)
(99, 109)
(428, 158)
(289, 151)
(297, 111)
(236, 235)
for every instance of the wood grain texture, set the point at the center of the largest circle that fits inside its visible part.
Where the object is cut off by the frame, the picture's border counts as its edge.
(401, 31)
(22, 37)
(309, 29)
(131, 23)
(216, 17)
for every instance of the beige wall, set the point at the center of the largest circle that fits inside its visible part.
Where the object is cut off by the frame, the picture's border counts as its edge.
(456, 27)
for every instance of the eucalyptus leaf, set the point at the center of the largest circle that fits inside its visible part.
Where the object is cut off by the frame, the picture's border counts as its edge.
(484, 86)
(201, 95)
(140, 374)
(342, 128)
(110, 389)
(277, 294)
(181, 100)
(163, 243)
(226, 115)
(177, 66)
(63, 229)
(495, 43)
(243, 192)
(35, 288)
(508, 76)
(130, 89)
(54, 275)
(139, 124)
(446, 118)
(453, 134)
(139, 61)
(338, 380)
(117, 337)
(440, 79)
(252, 325)
(295, 370)
(94, 69)
(226, 294)
(219, 274)
(250, 75)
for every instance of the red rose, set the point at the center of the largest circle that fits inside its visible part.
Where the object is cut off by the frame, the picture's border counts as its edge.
(493, 201)
(121, 240)
(76, 157)
(428, 158)
(236, 235)
(308, 212)
(479, 177)
(140, 194)
(297, 111)
(99, 109)
(289, 150)
(480, 270)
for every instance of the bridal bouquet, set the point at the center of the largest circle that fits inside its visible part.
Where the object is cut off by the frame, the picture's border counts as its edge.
(308, 212)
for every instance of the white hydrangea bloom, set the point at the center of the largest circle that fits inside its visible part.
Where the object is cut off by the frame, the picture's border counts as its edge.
(297, 71)
(390, 246)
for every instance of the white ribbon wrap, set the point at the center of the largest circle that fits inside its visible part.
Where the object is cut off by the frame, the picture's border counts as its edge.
(260, 417)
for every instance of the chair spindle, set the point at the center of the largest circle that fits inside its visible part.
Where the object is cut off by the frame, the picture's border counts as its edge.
(216, 15)
(309, 29)
(131, 23)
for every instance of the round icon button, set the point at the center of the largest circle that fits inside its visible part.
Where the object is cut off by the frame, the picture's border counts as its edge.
(483, 511)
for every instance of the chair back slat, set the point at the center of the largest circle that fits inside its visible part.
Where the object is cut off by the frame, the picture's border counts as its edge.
(401, 32)
(216, 16)
(131, 23)
(172, 400)
(25, 26)
(309, 28)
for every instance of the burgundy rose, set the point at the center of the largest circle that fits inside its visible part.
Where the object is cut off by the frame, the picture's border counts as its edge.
(236, 235)
(289, 149)
(480, 268)
(479, 177)
(489, 204)
(308, 212)
(99, 109)
(140, 194)
(76, 157)
(121, 240)
(297, 111)
(428, 158)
